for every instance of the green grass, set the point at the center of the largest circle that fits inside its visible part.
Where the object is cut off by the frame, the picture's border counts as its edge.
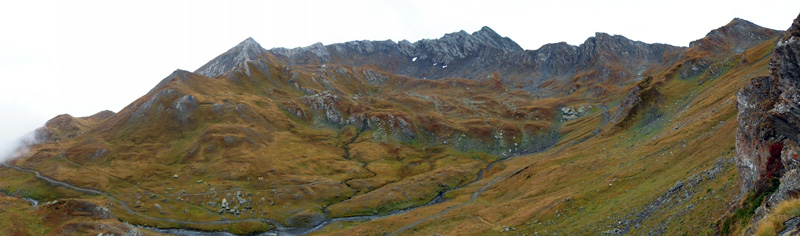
(745, 212)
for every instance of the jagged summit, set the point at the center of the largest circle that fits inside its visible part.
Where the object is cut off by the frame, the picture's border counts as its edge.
(250, 44)
(494, 39)
(245, 51)
(459, 45)
(445, 50)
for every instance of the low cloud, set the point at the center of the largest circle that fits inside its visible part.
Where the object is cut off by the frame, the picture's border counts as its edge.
(19, 147)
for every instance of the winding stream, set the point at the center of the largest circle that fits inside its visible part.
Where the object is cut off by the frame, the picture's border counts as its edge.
(280, 229)
(33, 202)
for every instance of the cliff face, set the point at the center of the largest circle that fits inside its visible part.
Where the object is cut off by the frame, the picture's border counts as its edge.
(755, 133)
(785, 70)
(769, 123)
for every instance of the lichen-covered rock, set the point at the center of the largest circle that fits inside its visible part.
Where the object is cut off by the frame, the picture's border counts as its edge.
(570, 113)
(769, 125)
(184, 107)
(326, 103)
(626, 105)
(756, 131)
(792, 227)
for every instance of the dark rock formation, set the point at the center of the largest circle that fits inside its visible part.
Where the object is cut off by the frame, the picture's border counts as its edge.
(755, 132)
(792, 227)
(785, 70)
(769, 125)
(769, 113)
(550, 69)
(477, 55)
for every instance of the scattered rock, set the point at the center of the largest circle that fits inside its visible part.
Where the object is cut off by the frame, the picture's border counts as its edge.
(507, 229)
(137, 204)
(674, 197)
(792, 227)
(224, 204)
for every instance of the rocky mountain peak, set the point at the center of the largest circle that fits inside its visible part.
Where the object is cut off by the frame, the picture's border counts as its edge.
(249, 45)
(740, 27)
(738, 34)
(739, 22)
(490, 37)
(245, 51)
(460, 45)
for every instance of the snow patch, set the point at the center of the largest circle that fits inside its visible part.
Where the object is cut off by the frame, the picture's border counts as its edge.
(414, 59)
(444, 66)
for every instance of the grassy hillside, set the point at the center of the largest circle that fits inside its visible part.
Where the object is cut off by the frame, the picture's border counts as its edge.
(667, 170)
(356, 150)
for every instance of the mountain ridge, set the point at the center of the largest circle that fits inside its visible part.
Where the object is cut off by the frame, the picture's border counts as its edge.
(300, 138)
(486, 52)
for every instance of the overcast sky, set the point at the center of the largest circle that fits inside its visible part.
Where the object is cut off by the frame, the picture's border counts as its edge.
(81, 57)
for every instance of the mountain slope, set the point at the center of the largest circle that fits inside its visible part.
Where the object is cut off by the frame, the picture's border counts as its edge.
(669, 170)
(468, 130)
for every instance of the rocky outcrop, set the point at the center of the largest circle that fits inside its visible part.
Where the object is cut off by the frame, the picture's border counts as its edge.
(679, 196)
(457, 46)
(756, 131)
(570, 113)
(769, 125)
(184, 107)
(769, 115)
(792, 227)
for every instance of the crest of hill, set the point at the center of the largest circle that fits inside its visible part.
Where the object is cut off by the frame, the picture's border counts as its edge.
(737, 35)
(245, 51)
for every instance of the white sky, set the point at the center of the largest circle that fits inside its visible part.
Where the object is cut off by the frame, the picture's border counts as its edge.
(81, 57)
